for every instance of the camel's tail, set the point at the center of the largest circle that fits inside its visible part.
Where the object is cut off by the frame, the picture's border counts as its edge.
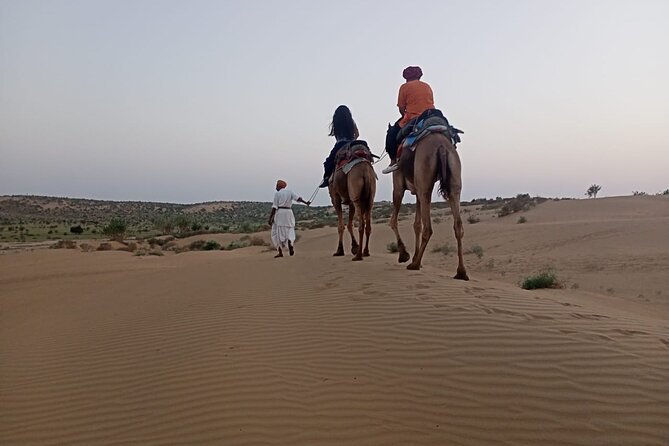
(446, 164)
(368, 189)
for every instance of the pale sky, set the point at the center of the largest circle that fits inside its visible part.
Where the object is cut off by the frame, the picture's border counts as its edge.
(190, 101)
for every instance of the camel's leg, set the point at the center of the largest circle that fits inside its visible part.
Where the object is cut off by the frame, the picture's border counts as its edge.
(455, 188)
(361, 229)
(336, 202)
(423, 208)
(398, 194)
(351, 216)
(417, 226)
(368, 231)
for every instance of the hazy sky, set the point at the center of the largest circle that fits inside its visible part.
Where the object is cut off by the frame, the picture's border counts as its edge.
(189, 101)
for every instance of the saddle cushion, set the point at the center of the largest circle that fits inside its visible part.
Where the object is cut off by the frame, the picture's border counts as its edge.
(430, 121)
(353, 150)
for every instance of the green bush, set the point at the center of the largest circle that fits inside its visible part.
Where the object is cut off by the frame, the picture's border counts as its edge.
(473, 219)
(546, 279)
(522, 220)
(211, 245)
(392, 247)
(115, 229)
(235, 244)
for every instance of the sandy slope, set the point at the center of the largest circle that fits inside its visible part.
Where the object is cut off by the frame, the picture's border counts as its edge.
(240, 348)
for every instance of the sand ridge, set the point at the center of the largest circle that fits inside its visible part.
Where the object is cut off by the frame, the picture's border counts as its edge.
(236, 347)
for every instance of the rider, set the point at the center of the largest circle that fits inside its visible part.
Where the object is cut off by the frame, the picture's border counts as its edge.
(414, 98)
(343, 128)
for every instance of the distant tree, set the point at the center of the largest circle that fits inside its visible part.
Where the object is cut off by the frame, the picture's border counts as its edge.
(592, 191)
(115, 229)
(666, 192)
(637, 193)
(182, 222)
(76, 229)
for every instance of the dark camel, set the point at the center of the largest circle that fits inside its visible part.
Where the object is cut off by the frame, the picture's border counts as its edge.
(434, 159)
(355, 189)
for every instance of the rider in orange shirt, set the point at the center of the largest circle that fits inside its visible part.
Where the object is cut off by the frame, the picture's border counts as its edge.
(415, 96)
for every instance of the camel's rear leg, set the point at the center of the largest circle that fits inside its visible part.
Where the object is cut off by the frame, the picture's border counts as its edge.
(361, 230)
(455, 187)
(422, 227)
(368, 232)
(398, 194)
(340, 226)
(349, 226)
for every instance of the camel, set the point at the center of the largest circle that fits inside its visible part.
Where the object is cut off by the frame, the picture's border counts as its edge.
(434, 159)
(355, 189)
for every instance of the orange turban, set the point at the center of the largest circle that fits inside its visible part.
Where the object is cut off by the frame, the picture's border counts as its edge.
(281, 184)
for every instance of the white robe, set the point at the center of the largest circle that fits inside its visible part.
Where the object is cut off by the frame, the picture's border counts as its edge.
(283, 228)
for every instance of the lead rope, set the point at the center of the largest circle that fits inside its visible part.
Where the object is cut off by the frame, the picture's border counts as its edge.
(313, 195)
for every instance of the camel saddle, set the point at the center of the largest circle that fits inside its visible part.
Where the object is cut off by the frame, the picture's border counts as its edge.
(353, 153)
(430, 121)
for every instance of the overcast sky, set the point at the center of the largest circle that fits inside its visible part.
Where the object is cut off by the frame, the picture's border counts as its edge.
(190, 101)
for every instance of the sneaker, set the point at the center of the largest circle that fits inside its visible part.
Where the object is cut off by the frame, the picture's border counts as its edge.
(324, 183)
(392, 168)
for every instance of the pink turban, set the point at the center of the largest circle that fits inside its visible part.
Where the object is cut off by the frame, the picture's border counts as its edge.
(412, 73)
(281, 184)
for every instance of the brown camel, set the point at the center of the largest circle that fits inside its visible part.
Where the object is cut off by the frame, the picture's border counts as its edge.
(434, 159)
(355, 189)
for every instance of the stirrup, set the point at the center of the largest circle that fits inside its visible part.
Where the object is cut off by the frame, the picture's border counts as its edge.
(392, 168)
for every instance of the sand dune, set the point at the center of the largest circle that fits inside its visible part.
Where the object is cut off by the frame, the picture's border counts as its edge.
(239, 348)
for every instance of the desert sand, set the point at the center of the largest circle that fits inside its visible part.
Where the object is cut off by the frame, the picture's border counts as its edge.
(239, 348)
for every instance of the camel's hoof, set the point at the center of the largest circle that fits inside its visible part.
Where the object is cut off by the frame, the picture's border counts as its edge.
(338, 254)
(365, 254)
(354, 250)
(413, 267)
(461, 276)
(404, 256)
(356, 258)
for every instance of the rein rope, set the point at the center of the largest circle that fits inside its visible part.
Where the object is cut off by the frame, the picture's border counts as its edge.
(378, 159)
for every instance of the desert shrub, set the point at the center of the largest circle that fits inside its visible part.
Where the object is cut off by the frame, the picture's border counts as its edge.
(195, 226)
(115, 229)
(235, 244)
(211, 245)
(197, 245)
(155, 252)
(129, 247)
(475, 249)
(104, 247)
(473, 219)
(76, 229)
(169, 245)
(666, 192)
(67, 244)
(85, 247)
(392, 247)
(436, 220)
(445, 249)
(255, 240)
(522, 220)
(637, 193)
(546, 279)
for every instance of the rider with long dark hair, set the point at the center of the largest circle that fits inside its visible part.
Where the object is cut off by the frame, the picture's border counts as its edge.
(343, 128)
